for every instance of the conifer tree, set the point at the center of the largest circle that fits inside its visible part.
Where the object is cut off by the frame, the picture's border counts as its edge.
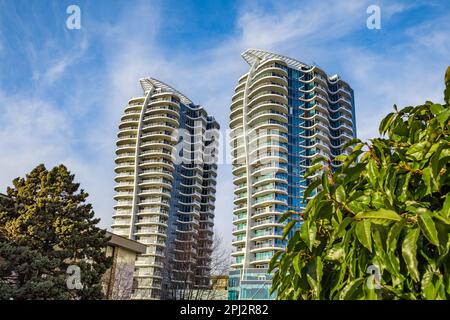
(45, 227)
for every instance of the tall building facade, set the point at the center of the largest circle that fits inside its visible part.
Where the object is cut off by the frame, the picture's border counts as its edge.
(284, 114)
(165, 189)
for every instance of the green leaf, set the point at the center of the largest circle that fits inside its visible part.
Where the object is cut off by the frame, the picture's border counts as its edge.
(344, 224)
(443, 117)
(381, 214)
(287, 229)
(336, 253)
(312, 186)
(436, 109)
(319, 159)
(363, 234)
(372, 172)
(286, 215)
(446, 206)
(386, 122)
(393, 235)
(313, 169)
(426, 176)
(409, 252)
(428, 227)
(350, 289)
(325, 181)
(340, 194)
(308, 232)
(351, 143)
(274, 261)
(296, 263)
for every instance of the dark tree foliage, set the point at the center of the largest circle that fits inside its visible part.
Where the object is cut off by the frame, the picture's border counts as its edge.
(45, 227)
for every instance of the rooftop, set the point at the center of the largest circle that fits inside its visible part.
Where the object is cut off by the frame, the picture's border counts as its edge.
(148, 83)
(250, 55)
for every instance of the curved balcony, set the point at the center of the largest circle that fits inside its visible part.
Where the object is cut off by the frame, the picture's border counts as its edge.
(269, 189)
(266, 135)
(133, 109)
(259, 180)
(129, 123)
(237, 96)
(238, 104)
(123, 195)
(266, 236)
(259, 261)
(265, 115)
(157, 144)
(268, 125)
(158, 153)
(122, 213)
(269, 77)
(123, 205)
(266, 224)
(272, 69)
(131, 113)
(166, 135)
(269, 95)
(267, 247)
(268, 86)
(124, 166)
(162, 126)
(155, 210)
(268, 105)
(156, 172)
(152, 221)
(238, 253)
(268, 202)
(155, 192)
(239, 86)
(152, 182)
(268, 211)
(269, 168)
(269, 157)
(124, 176)
(235, 112)
(169, 109)
(121, 224)
(127, 132)
(237, 120)
(126, 148)
(126, 139)
(123, 186)
(155, 118)
(268, 148)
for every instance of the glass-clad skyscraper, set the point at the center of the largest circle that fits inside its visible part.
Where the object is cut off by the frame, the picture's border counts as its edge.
(165, 189)
(284, 113)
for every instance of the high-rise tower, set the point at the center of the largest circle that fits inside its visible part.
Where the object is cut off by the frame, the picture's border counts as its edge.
(284, 113)
(165, 189)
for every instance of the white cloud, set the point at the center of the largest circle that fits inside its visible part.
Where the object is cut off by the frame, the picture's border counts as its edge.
(31, 131)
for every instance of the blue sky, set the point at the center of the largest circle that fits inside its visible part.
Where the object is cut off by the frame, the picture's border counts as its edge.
(62, 91)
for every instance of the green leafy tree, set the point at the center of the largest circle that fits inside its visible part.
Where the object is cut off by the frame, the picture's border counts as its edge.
(379, 226)
(45, 227)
